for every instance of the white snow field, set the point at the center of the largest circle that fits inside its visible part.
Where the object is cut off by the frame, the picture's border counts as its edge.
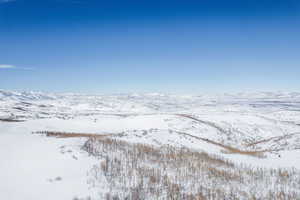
(252, 142)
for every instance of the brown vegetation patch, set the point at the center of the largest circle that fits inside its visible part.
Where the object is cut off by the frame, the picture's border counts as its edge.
(11, 120)
(275, 139)
(227, 148)
(71, 135)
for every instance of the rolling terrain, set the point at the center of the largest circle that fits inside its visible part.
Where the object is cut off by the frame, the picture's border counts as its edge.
(76, 146)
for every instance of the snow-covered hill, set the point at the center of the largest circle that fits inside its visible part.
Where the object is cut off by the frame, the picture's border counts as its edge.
(258, 129)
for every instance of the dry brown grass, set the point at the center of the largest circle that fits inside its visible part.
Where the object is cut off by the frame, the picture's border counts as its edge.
(71, 135)
(232, 150)
(228, 149)
(272, 139)
(11, 120)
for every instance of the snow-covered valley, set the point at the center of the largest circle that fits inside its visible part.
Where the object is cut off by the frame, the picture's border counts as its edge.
(246, 132)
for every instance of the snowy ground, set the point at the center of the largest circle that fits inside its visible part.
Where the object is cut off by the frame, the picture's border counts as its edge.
(235, 127)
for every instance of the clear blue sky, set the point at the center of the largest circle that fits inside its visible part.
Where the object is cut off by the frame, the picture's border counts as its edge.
(174, 46)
